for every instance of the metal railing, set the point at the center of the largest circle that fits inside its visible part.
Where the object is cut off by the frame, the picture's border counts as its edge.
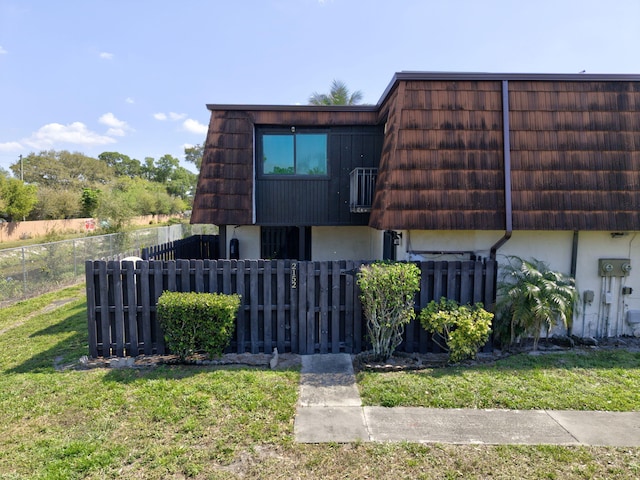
(362, 186)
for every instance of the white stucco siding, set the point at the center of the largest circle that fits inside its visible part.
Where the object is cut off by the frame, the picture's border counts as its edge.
(249, 239)
(605, 316)
(345, 243)
(601, 318)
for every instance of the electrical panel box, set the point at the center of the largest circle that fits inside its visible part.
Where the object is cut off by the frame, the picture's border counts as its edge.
(614, 267)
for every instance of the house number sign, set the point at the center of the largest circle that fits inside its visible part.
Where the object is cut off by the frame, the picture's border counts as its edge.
(294, 275)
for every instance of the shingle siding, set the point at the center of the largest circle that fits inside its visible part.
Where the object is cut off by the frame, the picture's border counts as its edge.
(575, 156)
(443, 166)
(575, 164)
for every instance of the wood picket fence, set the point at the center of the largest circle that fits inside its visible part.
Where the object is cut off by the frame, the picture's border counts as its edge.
(296, 306)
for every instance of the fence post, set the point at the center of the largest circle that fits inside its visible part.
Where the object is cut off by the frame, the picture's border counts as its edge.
(24, 274)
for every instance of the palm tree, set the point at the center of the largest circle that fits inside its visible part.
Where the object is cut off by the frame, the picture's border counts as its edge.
(339, 95)
(533, 297)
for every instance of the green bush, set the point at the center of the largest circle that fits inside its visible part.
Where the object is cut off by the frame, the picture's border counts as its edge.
(194, 322)
(465, 328)
(387, 291)
(532, 298)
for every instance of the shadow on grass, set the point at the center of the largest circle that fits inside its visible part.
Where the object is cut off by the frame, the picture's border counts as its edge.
(73, 327)
(172, 372)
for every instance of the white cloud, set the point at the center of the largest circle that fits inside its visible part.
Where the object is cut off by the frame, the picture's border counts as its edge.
(129, 100)
(75, 133)
(11, 147)
(106, 55)
(117, 128)
(173, 116)
(194, 126)
(2, 51)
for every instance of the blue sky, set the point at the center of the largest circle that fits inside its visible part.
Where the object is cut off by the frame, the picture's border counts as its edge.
(134, 76)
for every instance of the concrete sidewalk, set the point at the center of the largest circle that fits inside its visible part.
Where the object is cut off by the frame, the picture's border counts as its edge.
(330, 410)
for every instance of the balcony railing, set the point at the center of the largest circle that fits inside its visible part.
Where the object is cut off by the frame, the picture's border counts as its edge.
(363, 185)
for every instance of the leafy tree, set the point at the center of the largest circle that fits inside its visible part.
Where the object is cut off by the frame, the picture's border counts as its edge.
(148, 168)
(89, 199)
(194, 155)
(338, 95)
(122, 164)
(164, 168)
(182, 183)
(114, 210)
(18, 198)
(533, 297)
(62, 169)
(54, 203)
(4, 178)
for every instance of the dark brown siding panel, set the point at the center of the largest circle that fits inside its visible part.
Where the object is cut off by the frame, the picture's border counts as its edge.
(225, 187)
(442, 165)
(574, 155)
(321, 201)
(225, 184)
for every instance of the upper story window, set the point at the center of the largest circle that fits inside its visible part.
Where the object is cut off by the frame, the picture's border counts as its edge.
(293, 153)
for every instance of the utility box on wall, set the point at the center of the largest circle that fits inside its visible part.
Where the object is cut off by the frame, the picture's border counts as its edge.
(614, 267)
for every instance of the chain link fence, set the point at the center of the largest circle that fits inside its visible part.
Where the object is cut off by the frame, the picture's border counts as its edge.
(36, 269)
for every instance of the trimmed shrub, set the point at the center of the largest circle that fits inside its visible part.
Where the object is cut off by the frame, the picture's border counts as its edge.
(194, 322)
(387, 300)
(464, 328)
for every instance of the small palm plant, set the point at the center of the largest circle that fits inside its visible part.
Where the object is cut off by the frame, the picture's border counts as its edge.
(532, 297)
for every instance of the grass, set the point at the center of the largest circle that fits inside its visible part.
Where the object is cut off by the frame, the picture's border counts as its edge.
(204, 422)
(596, 380)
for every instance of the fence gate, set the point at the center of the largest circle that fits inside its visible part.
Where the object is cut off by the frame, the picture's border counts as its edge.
(299, 307)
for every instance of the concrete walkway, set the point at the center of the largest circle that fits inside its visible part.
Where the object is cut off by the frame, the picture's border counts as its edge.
(330, 410)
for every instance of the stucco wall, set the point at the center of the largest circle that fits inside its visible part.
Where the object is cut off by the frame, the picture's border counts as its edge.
(605, 316)
(341, 243)
(248, 238)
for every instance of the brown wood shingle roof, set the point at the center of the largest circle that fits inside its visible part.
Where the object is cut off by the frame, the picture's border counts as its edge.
(574, 152)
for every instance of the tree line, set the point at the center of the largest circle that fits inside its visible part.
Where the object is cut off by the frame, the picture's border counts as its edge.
(54, 185)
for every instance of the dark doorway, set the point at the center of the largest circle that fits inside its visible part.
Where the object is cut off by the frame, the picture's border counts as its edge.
(285, 243)
(389, 245)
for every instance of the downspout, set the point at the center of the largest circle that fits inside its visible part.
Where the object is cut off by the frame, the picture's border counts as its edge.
(574, 254)
(574, 269)
(508, 213)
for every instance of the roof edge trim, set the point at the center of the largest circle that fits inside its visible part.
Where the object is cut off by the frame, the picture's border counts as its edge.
(294, 108)
(477, 76)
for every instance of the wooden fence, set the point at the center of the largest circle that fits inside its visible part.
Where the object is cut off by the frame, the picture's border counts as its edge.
(196, 247)
(299, 307)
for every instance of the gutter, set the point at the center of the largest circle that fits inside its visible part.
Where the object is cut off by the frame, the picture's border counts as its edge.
(508, 210)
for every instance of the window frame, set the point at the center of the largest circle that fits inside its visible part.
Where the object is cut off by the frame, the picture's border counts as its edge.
(292, 132)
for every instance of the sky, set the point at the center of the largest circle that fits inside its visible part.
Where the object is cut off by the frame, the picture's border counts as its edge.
(135, 76)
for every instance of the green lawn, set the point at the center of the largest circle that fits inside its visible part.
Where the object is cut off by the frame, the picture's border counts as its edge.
(593, 380)
(202, 422)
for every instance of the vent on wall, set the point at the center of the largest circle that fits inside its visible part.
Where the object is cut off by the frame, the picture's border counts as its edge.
(614, 267)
